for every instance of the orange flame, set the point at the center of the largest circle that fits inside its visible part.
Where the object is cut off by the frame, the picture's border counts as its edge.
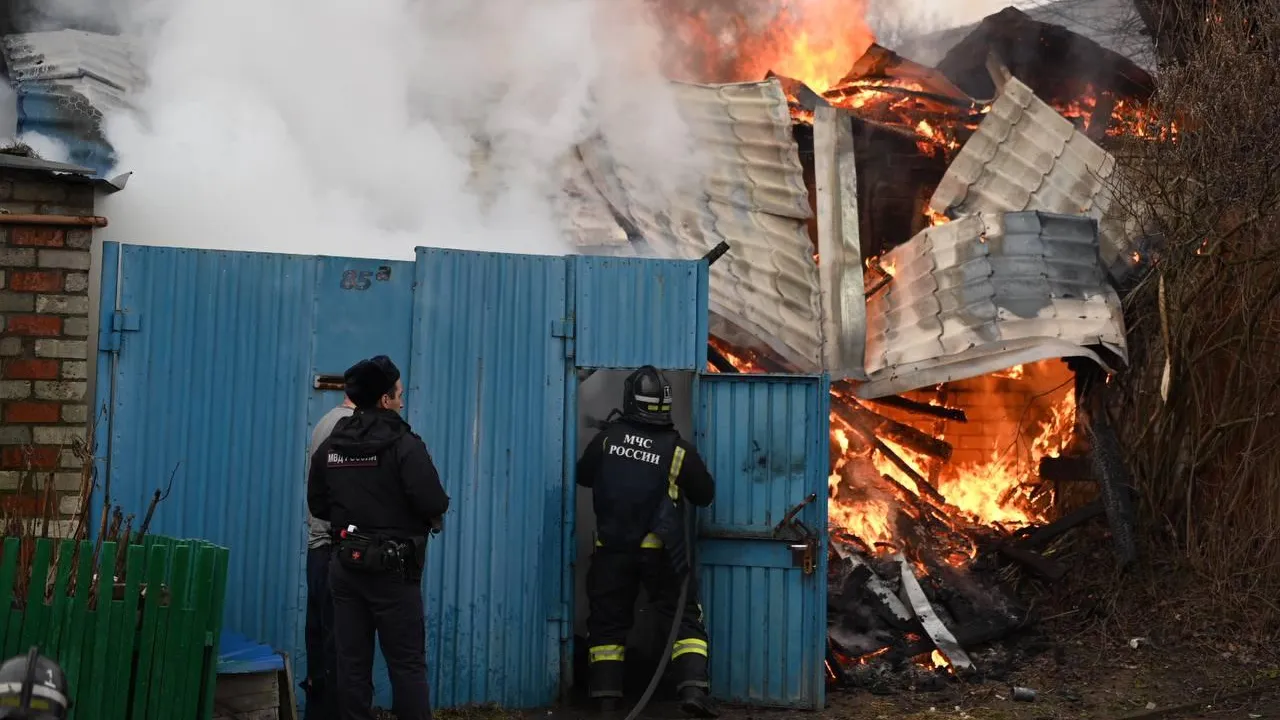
(813, 41)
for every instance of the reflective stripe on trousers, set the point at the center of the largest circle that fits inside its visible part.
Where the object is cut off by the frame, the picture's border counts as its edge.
(606, 653)
(691, 646)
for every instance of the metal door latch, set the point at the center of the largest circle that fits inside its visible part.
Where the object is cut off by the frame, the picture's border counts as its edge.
(804, 541)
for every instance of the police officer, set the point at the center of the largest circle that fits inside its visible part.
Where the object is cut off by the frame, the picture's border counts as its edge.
(375, 483)
(640, 470)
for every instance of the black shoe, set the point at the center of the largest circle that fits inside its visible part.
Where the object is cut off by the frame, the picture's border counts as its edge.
(695, 702)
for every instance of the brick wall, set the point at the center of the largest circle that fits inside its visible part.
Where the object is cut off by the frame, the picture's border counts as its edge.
(999, 409)
(994, 407)
(44, 328)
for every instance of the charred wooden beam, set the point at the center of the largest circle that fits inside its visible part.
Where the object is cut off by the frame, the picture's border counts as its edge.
(942, 636)
(975, 634)
(1042, 536)
(880, 426)
(1034, 561)
(925, 489)
(919, 408)
(970, 106)
(719, 361)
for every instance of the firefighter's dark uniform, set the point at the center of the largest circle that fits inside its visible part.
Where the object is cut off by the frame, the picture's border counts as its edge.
(640, 469)
(374, 481)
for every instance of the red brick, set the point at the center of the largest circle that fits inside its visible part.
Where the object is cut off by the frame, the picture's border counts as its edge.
(35, 236)
(23, 505)
(43, 325)
(32, 412)
(35, 281)
(41, 457)
(32, 370)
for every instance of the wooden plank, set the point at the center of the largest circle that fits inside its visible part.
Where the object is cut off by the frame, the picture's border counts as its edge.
(124, 635)
(218, 597)
(170, 664)
(91, 702)
(59, 607)
(196, 608)
(157, 554)
(34, 619)
(78, 625)
(247, 692)
(8, 572)
(198, 605)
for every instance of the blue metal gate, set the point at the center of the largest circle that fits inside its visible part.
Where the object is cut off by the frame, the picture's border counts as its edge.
(489, 363)
(765, 441)
(204, 368)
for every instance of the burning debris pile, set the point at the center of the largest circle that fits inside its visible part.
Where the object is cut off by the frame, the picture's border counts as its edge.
(984, 327)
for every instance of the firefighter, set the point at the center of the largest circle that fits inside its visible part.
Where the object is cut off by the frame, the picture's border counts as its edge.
(375, 483)
(640, 470)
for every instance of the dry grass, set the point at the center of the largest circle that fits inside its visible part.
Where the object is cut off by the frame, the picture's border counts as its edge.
(1207, 459)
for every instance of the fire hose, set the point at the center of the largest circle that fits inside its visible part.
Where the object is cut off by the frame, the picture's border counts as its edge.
(675, 617)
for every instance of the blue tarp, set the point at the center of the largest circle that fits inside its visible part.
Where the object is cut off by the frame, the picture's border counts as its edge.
(238, 655)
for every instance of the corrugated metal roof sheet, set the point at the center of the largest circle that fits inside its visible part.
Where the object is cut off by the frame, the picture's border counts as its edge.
(108, 60)
(1025, 156)
(584, 213)
(987, 292)
(637, 311)
(66, 81)
(754, 197)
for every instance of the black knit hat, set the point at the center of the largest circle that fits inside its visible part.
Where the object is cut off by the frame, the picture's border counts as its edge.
(368, 380)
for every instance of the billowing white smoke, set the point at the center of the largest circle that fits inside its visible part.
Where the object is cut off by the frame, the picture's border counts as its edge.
(340, 127)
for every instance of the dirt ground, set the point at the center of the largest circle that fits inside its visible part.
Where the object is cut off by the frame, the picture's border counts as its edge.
(1147, 644)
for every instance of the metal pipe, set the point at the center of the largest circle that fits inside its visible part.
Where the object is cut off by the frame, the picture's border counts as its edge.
(714, 254)
(34, 219)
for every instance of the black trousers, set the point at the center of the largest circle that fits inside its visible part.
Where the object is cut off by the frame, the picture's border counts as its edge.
(322, 661)
(385, 604)
(614, 581)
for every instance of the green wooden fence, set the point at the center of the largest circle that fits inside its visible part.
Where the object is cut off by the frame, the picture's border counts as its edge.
(144, 647)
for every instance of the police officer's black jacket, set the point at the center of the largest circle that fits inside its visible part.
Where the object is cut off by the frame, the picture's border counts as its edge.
(627, 465)
(375, 473)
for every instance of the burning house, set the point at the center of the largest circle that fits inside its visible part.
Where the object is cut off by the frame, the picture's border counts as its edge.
(947, 243)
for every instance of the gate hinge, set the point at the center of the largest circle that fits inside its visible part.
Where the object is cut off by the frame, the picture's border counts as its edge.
(122, 321)
(564, 328)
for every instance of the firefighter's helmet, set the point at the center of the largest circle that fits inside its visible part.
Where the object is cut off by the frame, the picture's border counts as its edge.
(646, 397)
(32, 687)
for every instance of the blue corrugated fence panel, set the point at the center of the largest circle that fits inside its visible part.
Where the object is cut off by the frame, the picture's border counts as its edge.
(764, 439)
(211, 383)
(488, 384)
(633, 312)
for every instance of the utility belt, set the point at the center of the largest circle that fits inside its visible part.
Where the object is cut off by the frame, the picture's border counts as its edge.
(377, 554)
